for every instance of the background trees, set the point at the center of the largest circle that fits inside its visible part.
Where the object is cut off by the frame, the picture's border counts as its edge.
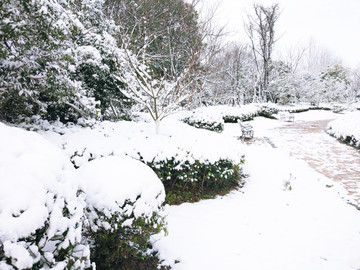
(35, 75)
(163, 34)
(65, 60)
(261, 31)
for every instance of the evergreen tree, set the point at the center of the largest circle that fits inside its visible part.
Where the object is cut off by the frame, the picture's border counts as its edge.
(35, 52)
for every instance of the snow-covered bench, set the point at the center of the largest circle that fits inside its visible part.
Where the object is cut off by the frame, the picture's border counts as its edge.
(337, 108)
(286, 116)
(246, 130)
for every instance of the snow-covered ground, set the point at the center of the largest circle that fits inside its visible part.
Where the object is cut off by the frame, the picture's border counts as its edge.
(347, 128)
(288, 216)
(267, 224)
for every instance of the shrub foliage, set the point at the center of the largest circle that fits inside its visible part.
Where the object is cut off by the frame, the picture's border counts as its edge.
(207, 124)
(122, 241)
(192, 181)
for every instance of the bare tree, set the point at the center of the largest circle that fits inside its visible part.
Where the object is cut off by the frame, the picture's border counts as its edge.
(261, 31)
(231, 80)
(159, 95)
(293, 57)
(355, 85)
(317, 59)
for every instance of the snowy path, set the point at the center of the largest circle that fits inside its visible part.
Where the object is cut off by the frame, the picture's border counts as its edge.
(265, 225)
(308, 141)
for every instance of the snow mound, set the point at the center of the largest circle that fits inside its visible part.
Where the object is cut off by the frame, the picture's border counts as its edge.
(38, 199)
(346, 128)
(46, 204)
(109, 181)
(137, 140)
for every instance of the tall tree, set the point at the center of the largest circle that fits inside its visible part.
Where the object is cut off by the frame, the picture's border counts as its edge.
(35, 55)
(163, 34)
(260, 28)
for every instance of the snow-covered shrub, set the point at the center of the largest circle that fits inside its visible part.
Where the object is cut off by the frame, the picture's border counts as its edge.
(35, 63)
(40, 206)
(124, 199)
(54, 216)
(201, 119)
(233, 114)
(248, 112)
(180, 146)
(231, 118)
(192, 179)
(268, 110)
(346, 128)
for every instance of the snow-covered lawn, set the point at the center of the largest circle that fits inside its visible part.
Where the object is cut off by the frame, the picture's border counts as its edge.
(267, 224)
(286, 217)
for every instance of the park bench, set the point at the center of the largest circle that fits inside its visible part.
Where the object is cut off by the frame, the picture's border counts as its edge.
(337, 109)
(246, 130)
(287, 117)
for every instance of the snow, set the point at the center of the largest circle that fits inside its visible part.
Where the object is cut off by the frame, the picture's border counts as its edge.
(346, 126)
(265, 225)
(38, 183)
(132, 139)
(287, 216)
(106, 183)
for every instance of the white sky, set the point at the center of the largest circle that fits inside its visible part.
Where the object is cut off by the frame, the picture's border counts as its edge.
(334, 24)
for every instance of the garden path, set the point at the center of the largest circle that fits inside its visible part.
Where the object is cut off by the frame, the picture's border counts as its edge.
(307, 140)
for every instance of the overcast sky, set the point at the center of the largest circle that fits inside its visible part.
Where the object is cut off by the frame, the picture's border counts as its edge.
(334, 24)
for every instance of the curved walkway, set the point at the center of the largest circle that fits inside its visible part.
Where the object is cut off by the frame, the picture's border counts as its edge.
(308, 141)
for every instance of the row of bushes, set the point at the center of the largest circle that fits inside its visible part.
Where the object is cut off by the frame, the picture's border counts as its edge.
(346, 129)
(118, 238)
(214, 120)
(54, 216)
(191, 181)
(204, 123)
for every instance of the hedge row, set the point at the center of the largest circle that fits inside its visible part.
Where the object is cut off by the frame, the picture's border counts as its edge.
(214, 121)
(192, 181)
(209, 124)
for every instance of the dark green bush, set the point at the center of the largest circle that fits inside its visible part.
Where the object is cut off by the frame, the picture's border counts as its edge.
(235, 118)
(204, 124)
(115, 245)
(192, 181)
(268, 111)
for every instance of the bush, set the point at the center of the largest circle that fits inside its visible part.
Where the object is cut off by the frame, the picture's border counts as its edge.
(191, 181)
(122, 241)
(203, 123)
(54, 216)
(268, 111)
(123, 212)
(243, 117)
(41, 210)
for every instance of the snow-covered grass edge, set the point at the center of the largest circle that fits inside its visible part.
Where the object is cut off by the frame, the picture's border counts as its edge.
(346, 129)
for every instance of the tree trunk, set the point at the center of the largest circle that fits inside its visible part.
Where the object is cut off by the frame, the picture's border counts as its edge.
(157, 126)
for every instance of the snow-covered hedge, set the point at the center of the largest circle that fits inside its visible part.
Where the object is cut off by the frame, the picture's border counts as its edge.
(268, 110)
(121, 215)
(181, 150)
(346, 128)
(40, 208)
(244, 113)
(54, 216)
(213, 118)
(201, 119)
(192, 181)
